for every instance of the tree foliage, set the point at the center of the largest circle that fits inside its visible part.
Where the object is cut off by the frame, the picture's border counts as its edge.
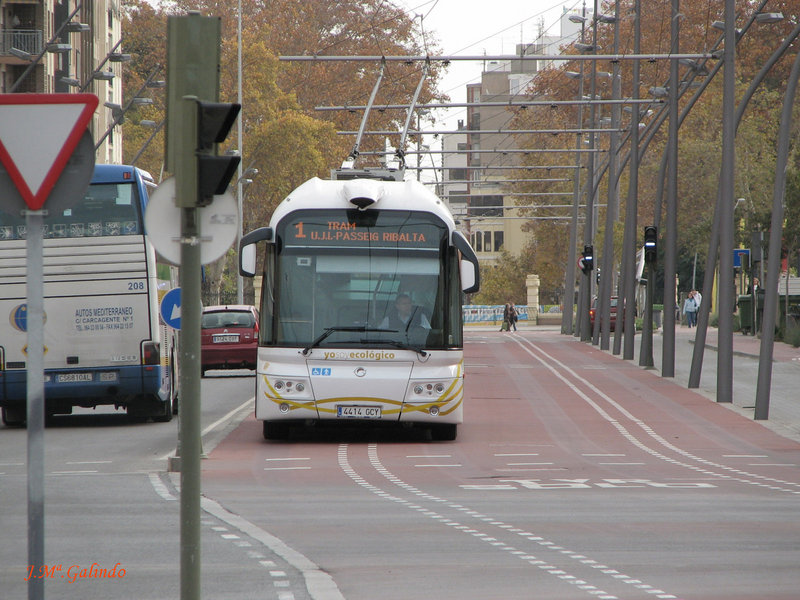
(283, 137)
(700, 134)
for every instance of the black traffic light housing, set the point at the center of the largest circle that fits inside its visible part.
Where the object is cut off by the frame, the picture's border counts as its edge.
(214, 173)
(650, 244)
(587, 259)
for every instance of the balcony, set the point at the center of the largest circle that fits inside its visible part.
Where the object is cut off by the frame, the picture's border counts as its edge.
(27, 40)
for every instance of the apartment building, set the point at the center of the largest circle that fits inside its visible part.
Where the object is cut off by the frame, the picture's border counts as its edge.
(479, 159)
(67, 46)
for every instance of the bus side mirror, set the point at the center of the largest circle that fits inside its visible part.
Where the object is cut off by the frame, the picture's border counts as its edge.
(468, 266)
(247, 250)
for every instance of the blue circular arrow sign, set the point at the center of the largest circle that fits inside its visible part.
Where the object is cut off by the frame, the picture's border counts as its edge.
(171, 308)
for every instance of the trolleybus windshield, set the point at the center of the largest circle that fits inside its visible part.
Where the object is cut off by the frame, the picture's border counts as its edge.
(376, 278)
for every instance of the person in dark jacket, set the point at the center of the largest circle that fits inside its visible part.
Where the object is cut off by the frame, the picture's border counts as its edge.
(405, 316)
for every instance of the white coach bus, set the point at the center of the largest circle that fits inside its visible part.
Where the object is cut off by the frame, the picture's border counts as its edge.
(361, 299)
(103, 341)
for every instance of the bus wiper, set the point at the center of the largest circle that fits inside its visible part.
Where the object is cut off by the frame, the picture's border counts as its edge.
(397, 344)
(330, 330)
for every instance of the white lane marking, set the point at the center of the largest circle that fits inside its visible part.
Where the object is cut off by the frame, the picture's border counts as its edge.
(737, 475)
(319, 584)
(247, 404)
(89, 462)
(71, 472)
(527, 464)
(267, 563)
(509, 454)
(618, 464)
(603, 455)
(744, 456)
(494, 542)
(160, 488)
(453, 465)
(287, 468)
(429, 456)
(288, 458)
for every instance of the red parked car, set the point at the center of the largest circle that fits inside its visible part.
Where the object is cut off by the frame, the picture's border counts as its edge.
(229, 337)
(612, 312)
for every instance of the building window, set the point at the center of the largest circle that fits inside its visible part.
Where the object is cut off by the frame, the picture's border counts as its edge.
(486, 205)
(498, 241)
(458, 174)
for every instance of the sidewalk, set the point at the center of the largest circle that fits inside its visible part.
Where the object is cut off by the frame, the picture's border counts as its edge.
(784, 401)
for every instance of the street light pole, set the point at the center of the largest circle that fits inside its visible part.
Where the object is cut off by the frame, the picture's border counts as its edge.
(239, 200)
(671, 236)
(607, 277)
(629, 241)
(569, 282)
(725, 303)
(588, 231)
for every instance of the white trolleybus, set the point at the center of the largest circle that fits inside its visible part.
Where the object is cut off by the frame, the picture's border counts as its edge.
(103, 341)
(361, 317)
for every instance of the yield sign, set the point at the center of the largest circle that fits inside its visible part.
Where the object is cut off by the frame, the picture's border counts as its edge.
(38, 134)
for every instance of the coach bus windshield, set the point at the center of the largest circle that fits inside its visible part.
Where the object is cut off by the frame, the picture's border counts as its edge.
(375, 278)
(108, 209)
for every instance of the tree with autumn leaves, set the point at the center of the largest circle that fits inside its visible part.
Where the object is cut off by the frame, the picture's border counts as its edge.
(284, 138)
(699, 135)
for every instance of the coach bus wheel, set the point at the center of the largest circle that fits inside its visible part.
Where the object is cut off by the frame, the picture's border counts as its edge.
(162, 410)
(13, 417)
(275, 430)
(444, 432)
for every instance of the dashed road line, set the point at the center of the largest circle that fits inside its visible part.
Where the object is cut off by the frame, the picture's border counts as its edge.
(530, 558)
(732, 473)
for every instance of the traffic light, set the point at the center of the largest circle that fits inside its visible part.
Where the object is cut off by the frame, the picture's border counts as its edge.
(650, 244)
(214, 121)
(587, 260)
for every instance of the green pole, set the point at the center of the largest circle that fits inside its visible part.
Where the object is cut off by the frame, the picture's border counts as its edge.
(193, 51)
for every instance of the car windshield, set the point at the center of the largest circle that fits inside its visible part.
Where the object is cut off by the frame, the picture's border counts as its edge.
(228, 319)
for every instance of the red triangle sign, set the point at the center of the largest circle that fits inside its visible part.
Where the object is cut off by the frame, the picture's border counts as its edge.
(38, 134)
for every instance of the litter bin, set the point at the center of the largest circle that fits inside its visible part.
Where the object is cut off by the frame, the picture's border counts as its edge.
(745, 303)
(760, 293)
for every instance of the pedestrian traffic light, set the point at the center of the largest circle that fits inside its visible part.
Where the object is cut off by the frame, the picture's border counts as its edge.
(214, 172)
(650, 244)
(587, 260)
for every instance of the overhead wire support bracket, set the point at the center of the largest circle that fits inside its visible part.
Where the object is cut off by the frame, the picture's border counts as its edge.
(400, 152)
(510, 103)
(515, 57)
(350, 161)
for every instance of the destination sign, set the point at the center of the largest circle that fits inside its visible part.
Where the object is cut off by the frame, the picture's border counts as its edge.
(399, 229)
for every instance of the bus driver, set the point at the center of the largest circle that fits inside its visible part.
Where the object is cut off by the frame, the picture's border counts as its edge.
(405, 316)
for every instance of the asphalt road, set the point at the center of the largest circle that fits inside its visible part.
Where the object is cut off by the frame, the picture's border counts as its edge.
(576, 475)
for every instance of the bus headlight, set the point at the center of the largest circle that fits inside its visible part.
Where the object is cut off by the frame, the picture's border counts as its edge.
(429, 390)
(290, 387)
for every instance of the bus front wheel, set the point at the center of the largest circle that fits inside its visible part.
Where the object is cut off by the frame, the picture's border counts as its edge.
(276, 430)
(444, 432)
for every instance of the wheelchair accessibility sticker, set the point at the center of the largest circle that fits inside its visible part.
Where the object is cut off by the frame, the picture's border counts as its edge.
(324, 372)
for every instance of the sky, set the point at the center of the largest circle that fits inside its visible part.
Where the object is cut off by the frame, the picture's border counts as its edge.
(478, 27)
